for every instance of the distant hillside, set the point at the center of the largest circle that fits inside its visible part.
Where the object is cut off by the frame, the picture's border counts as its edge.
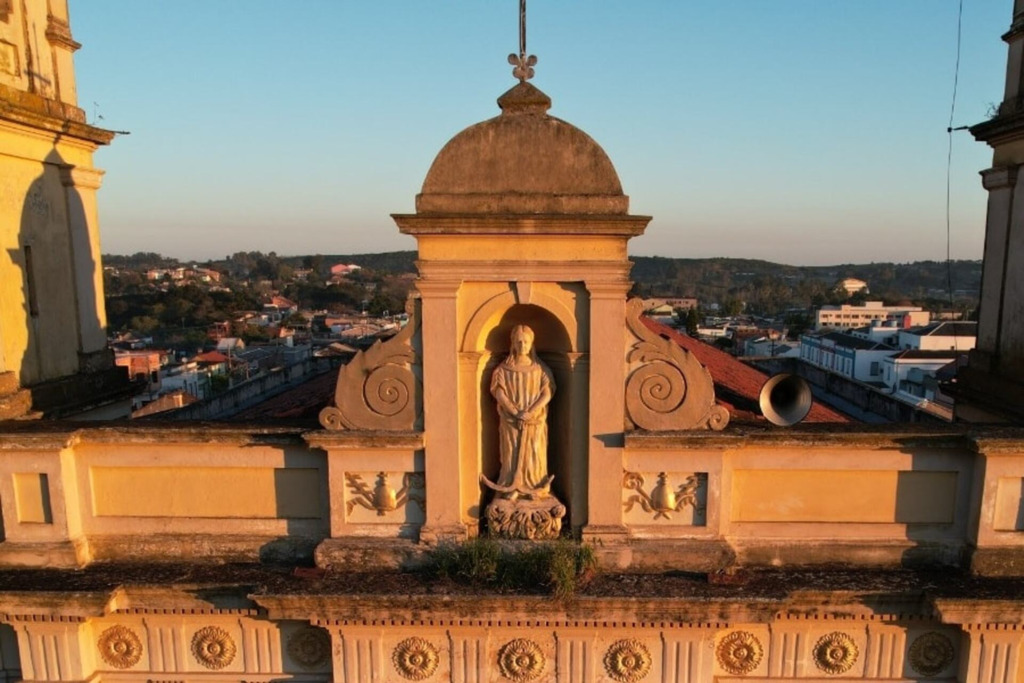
(744, 284)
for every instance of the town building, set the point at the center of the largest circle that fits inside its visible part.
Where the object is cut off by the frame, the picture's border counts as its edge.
(850, 286)
(526, 395)
(845, 316)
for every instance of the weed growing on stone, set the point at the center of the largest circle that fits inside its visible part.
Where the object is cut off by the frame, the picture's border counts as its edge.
(562, 567)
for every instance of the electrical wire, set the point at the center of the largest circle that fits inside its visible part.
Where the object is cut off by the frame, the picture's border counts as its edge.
(949, 156)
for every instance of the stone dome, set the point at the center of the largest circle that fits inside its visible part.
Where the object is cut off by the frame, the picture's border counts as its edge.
(522, 162)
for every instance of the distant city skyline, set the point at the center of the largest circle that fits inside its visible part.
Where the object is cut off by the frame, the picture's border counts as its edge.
(797, 131)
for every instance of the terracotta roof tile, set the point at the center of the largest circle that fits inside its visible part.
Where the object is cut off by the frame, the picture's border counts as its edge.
(737, 385)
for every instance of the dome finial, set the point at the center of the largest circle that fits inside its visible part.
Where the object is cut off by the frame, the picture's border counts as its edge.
(523, 64)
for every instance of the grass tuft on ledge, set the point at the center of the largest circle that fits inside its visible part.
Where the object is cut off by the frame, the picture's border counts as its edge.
(560, 567)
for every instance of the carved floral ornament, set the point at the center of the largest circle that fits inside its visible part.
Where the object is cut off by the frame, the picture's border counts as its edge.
(520, 660)
(667, 388)
(380, 388)
(310, 647)
(627, 661)
(835, 653)
(213, 647)
(383, 498)
(415, 659)
(662, 499)
(120, 647)
(739, 653)
(931, 653)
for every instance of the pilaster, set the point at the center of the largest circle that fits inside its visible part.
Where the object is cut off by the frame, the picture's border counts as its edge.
(80, 185)
(441, 409)
(607, 378)
(53, 650)
(991, 654)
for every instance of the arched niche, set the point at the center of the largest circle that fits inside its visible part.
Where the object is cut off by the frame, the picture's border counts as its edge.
(555, 348)
(482, 326)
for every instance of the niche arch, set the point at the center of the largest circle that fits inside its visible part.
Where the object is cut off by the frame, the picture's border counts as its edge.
(489, 316)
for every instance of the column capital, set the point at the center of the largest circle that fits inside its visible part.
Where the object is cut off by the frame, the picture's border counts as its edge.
(438, 289)
(999, 178)
(78, 176)
(608, 290)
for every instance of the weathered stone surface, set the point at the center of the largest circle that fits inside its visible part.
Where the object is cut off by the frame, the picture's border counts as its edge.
(522, 162)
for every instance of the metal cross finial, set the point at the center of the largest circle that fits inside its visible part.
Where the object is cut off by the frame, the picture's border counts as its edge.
(523, 64)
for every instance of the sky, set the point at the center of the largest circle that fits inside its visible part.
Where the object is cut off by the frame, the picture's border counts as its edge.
(807, 132)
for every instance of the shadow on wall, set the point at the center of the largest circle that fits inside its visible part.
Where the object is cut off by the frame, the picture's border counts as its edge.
(58, 291)
(932, 499)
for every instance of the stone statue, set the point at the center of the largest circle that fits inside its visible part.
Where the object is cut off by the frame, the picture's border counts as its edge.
(523, 386)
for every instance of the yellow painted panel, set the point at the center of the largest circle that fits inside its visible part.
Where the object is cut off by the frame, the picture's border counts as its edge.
(866, 496)
(1009, 508)
(227, 492)
(32, 498)
(525, 247)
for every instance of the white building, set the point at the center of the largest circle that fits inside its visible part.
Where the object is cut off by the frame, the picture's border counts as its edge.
(847, 316)
(944, 336)
(846, 355)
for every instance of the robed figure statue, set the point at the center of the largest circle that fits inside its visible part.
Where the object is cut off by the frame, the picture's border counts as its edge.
(522, 386)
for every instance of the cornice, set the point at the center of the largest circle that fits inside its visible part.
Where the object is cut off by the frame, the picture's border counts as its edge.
(522, 224)
(524, 271)
(52, 116)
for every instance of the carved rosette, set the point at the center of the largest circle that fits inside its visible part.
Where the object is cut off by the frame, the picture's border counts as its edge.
(213, 647)
(667, 388)
(415, 659)
(310, 647)
(525, 519)
(120, 647)
(520, 660)
(380, 388)
(627, 661)
(740, 652)
(931, 653)
(835, 653)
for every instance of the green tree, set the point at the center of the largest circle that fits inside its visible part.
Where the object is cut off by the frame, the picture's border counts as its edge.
(692, 322)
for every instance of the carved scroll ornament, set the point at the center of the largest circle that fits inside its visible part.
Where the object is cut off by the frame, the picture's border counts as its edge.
(383, 498)
(379, 389)
(667, 388)
(662, 499)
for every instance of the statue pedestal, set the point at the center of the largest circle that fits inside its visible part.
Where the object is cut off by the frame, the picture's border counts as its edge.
(539, 519)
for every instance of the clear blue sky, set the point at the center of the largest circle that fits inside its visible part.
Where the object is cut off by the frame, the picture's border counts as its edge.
(801, 131)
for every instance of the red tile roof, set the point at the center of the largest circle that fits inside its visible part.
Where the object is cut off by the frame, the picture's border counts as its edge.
(737, 384)
(211, 357)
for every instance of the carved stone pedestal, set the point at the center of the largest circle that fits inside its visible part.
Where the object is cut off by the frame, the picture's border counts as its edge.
(539, 519)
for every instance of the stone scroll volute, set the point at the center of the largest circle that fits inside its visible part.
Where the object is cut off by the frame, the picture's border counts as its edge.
(667, 388)
(380, 388)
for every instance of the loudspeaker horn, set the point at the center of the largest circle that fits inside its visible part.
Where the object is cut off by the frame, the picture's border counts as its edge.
(785, 399)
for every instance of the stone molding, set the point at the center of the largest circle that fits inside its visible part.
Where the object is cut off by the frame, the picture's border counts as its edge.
(999, 178)
(514, 271)
(81, 177)
(611, 225)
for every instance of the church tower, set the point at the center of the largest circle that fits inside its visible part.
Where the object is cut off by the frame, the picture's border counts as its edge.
(53, 355)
